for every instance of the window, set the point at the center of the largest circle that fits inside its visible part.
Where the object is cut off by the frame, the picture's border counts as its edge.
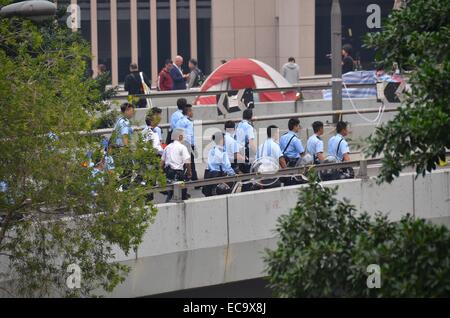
(104, 33)
(144, 49)
(163, 14)
(123, 38)
(204, 35)
(183, 32)
(354, 27)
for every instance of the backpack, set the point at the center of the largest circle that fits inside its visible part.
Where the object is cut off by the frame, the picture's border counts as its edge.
(200, 77)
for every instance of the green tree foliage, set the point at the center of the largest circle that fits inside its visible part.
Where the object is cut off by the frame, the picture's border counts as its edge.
(314, 246)
(53, 211)
(413, 255)
(324, 250)
(417, 38)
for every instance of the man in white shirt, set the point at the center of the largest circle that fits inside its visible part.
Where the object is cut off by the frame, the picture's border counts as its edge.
(156, 112)
(176, 162)
(150, 134)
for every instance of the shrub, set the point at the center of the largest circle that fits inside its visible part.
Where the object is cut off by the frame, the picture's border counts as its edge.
(324, 250)
(413, 256)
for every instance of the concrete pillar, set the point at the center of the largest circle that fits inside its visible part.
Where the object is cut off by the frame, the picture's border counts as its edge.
(94, 37)
(114, 50)
(134, 31)
(173, 28)
(193, 27)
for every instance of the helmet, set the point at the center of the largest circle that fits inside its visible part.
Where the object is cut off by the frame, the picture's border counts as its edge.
(265, 165)
(304, 161)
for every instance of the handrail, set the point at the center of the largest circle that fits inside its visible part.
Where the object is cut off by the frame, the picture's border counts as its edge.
(260, 118)
(280, 173)
(179, 186)
(295, 87)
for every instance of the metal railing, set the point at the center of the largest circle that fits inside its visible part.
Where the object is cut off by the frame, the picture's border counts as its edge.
(362, 165)
(177, 187)
(196, 92)
(260, 118)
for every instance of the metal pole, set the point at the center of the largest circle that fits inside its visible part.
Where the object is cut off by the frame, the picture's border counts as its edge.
(336, 60)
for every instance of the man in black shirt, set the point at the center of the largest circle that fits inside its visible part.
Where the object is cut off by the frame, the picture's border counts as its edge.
(347, 62)
(133, 85)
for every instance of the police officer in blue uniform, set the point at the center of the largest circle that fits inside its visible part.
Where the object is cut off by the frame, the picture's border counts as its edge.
(218, 164)
(186, 123)
(121, 139)
(314, 146)
(290, 144)
(123, 130)
(176, 116)
(245, 136)
(232, 146)
(337, 145)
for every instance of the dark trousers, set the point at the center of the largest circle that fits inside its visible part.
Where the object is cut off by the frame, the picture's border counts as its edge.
(175, 176)
(194, 171)
(169, 137)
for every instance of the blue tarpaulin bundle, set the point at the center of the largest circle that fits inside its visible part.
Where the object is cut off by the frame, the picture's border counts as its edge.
(359, 77)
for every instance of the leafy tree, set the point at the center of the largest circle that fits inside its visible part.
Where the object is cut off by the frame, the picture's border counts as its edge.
(315, 245)
(413, 255)
(417, 38)
(324, 250)
(53, 211)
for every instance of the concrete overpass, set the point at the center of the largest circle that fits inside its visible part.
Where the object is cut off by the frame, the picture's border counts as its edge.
(219, 240)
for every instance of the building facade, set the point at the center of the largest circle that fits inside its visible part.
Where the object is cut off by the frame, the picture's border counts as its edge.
(149, 31)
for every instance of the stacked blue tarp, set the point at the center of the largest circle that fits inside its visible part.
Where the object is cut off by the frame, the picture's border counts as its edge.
(359, 77)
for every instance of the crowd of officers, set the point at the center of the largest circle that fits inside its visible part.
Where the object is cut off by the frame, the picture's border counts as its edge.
(234, 150)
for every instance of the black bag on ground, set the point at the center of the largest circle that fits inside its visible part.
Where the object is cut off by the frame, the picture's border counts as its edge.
(215, 189)
(337, 174)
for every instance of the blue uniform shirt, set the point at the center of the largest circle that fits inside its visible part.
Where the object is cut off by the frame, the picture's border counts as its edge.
(244, 132)
(123, 127)
(269, 149)
(314, 145)
(175, 118)
(295, 147)
(333, 147)
(218, 160)
(231, 145)
(187, 125)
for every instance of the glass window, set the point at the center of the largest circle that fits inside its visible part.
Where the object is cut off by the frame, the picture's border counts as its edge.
(104, 33)
(183, 32)
(123, 37)
(144, 48)
(85, 8)
(163, 14)
(354, 27)
(204, 35)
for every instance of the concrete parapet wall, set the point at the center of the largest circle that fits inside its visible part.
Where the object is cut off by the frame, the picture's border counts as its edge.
(218, 240)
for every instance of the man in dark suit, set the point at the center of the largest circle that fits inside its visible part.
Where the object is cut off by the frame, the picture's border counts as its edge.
(176, 72)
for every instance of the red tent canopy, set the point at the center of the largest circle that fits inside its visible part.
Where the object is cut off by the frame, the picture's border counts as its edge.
(246, 73)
